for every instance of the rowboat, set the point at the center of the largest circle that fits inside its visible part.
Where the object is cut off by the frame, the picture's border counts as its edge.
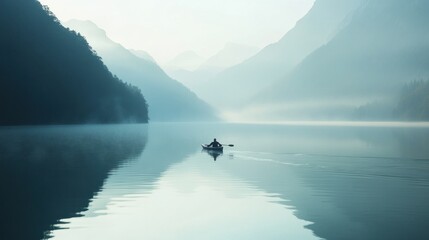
(206, 147)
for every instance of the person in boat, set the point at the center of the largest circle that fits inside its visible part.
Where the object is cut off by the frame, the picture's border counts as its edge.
(214, 144)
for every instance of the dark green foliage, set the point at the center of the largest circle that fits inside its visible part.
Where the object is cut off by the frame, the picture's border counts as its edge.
(374, 111)
(414, 101)
(50, 75)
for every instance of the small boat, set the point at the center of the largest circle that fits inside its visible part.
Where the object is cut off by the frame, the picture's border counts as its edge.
(206, 147)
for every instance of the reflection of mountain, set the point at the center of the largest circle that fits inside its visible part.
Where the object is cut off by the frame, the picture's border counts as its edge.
(159, 154)
(51, 173)
(168, 144)
(350, 197)
(168, 99)
(139, 177)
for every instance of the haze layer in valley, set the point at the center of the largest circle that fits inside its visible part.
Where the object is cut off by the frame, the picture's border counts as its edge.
(168, 99)
(343, 60)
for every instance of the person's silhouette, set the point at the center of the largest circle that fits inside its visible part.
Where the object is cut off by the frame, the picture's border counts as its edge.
(214, 144)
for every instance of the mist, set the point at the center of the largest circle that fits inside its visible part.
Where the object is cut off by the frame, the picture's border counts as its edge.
(349, 64)
(168, 99)
(204, 119)
(166, 29)
(380, 48)
(338, 60)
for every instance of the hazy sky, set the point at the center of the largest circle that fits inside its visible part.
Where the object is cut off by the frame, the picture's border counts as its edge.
(165, 28)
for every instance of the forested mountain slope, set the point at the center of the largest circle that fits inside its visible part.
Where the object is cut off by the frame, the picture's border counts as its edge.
(50, 75)
(168, 99)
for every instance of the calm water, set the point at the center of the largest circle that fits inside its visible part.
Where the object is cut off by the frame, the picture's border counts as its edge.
(154, 182)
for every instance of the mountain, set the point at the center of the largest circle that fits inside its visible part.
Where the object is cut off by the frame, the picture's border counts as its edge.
(240, 82)
(168, 99)
(414, 102)
(231, 54)
(143, 54)
(50, 75)
(187, 60)
(383, 46)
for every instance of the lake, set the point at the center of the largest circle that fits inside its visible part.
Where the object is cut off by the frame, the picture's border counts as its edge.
(279, 181)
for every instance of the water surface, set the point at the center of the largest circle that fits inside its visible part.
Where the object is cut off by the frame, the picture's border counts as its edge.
(154, 182)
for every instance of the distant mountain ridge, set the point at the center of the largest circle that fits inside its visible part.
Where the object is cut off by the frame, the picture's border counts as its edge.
(198, 79)
(168, 99)
(231, 54)
(273, 62)
(188, 60)
(143, 54)
(382, 47)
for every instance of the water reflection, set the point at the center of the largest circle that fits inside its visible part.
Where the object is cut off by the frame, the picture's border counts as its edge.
(293, 182)
(51, 173)
(351, 183)
(192, 199)
(213, 153)
(282, 182)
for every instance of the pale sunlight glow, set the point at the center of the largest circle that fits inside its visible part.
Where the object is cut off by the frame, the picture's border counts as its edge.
(167, 28)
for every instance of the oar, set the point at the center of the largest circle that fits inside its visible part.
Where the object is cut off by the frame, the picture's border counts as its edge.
(229, 145)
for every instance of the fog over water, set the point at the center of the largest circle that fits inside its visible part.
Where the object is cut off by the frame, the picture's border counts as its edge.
(279, 181)
(321, 108)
